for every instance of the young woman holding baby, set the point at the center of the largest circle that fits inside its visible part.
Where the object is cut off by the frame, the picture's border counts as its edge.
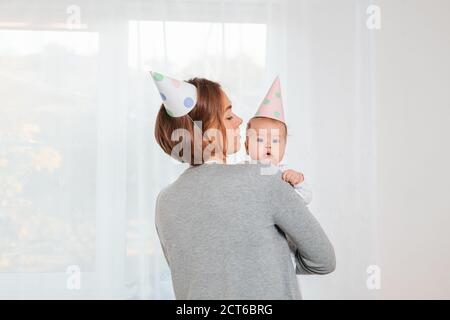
(227, 231)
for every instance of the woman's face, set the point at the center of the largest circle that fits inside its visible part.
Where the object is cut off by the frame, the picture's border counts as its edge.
(232, 123)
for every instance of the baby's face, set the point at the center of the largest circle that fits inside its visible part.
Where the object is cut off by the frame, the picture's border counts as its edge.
(266, 140)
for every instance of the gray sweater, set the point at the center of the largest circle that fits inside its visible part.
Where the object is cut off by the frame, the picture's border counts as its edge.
(223, 232)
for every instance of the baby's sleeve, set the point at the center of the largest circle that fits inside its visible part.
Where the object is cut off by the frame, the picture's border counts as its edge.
(304, 190)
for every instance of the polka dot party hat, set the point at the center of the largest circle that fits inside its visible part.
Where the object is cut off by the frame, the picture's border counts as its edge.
(179, 97)
(272, 105)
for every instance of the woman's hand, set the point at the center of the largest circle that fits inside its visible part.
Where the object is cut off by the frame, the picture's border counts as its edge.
(293, 177)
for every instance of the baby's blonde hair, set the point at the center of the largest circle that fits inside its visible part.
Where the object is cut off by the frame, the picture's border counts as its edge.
(274, 120)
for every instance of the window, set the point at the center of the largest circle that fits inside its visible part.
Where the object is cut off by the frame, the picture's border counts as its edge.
(47, 154)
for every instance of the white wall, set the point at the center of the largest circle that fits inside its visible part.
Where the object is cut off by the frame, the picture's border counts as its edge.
(413, 114)
(329, 103)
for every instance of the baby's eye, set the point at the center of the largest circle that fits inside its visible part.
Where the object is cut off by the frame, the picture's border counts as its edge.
(229, 118)
(276, 140)
(259, 139)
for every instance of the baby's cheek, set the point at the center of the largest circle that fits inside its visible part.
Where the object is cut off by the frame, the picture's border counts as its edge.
(276, 157)
(277, 150)
(254, 150)
(280, 152)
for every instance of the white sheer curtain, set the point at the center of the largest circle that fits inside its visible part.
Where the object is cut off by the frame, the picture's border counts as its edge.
(79, 166)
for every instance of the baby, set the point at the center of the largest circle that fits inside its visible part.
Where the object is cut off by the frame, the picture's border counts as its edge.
(266, 139)
(266, 142)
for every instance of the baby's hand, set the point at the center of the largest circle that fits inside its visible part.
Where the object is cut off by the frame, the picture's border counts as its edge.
(293, 177)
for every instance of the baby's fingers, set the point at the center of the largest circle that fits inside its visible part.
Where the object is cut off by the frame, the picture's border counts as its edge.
(290, 177)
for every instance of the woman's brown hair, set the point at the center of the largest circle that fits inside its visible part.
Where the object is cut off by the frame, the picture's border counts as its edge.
(208, 110)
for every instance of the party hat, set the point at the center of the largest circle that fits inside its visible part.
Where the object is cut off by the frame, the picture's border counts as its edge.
(179, 97)
(272, 105)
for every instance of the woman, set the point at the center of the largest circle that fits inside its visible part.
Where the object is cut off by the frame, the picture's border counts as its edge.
(222, 227)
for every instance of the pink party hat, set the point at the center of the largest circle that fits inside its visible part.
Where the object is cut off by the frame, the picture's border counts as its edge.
(272, 105)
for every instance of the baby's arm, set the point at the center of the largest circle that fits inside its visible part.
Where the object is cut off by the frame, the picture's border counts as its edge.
(296, 179)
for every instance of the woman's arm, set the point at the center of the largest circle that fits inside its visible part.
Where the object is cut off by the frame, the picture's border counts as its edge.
(157, 215)
(315, 253)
